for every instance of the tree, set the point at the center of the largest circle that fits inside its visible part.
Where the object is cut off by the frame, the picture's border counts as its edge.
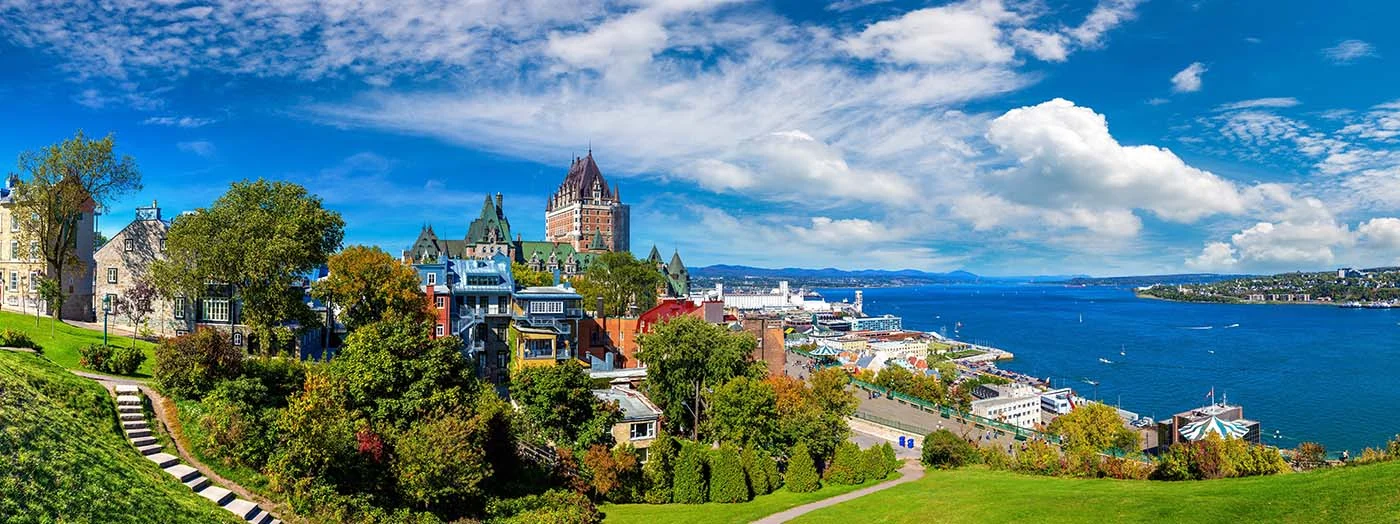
(440, 461)
(370, 285)
(558, 404)
(813, 414)
(622, 281)
(892, 462)
(1310, 455)
(188, 366)
(754, 472)
(895, 378)
(526, 277)
(830, 394)
(688, 482)
(848, 467)
(1094, 427)
(136, 303)
(686, 355)
(392, 372)
(656, 473)
(872, 465)
(801, 474)
(615, 474)
(727, 476)
(58, 185)
(742, 412)
(943, 449)
(259, 239)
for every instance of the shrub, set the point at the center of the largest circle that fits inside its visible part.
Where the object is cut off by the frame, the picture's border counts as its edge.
(727, 476)
(615, 474)
(1038, 458)
(892, 462)
(770, 470)
(847, 467)
(755, 474)
(1370, 456)
(656, 473)
(13, 338)
(282, 377)
(997, 459)
(191, 365)
(440, 461)
(96, 357)
(125, 360)
(1214, 458)
(688, 481)
(801, 471)
(236, 429)
(1310, 455)
(944, 449)
(1124, 469)
(873, 464)
(552, 507)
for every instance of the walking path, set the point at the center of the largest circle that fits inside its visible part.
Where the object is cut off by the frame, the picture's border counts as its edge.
(912, 471)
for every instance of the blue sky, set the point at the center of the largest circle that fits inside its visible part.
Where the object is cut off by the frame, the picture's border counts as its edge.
(1000, 136)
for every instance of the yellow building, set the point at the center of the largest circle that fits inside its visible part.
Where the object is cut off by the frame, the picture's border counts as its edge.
(544, 325)
(22, 266)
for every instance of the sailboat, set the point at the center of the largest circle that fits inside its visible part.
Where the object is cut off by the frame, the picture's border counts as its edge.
(1122, 352)
(1081, 318)
(1105, 361)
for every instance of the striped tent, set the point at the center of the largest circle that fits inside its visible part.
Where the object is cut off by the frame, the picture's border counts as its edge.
(1226, 429)
(826, 351)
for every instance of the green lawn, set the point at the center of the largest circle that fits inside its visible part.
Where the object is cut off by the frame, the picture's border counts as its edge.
(1353, 494)
(713, 512)
(63, 458)
(61, 341)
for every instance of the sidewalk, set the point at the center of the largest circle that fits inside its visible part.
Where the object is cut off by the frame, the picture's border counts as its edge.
(912, 471)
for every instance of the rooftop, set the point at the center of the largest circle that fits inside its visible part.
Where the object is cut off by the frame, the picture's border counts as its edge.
(633, 404)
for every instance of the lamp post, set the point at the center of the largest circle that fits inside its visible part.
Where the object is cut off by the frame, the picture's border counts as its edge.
(106, 308)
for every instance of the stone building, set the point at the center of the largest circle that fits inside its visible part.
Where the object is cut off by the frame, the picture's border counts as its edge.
(22, 266)
(583, 206)
(124, 260)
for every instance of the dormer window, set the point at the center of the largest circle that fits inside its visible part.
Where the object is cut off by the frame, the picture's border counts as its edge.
(432, 279)
(130, 245)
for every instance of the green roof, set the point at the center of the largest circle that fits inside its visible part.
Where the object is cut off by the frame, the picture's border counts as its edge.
(492, 219)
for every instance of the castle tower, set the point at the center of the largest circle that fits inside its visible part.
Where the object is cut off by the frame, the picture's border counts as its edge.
(584, 206)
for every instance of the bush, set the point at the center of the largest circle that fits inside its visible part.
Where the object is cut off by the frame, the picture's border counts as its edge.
(125, 360)
(727, 476)
(189, 366)
(552, 507)
(755, 473)
(688, 480)
(770, 469)
(1039, 458)
(1310, 455)
(96, 357)
(873, 464)
(615, 474)
(440, 461)
(847, 467)
(998, 459)
(236, 429)
(944, 449)
(892, 462)
(801, 471)
(1215, 458)
(1124, 469)
(282, 377)
(656, 473)
(12, 338)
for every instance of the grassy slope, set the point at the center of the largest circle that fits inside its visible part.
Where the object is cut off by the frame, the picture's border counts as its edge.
(714, 512)
(63, 458)
(189, 412)
(61, 341)
(1354, 494)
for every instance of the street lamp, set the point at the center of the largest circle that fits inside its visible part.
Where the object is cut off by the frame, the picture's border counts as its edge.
(106, 308)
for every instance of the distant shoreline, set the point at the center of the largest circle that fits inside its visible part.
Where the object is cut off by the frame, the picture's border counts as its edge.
(1238, 302)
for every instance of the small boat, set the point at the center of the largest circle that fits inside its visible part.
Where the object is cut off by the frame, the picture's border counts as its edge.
(1232, 326)
(1105, 361)
(1212, 351)
(1122, 352)
(1091, 382)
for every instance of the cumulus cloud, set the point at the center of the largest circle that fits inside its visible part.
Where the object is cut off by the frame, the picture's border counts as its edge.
(961, 33)
(1348, 51)
(1382, 233)
(1189, 80)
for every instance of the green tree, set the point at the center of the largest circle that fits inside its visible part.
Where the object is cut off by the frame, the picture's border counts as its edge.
(391, 371)
(770, 468)
(686, 356)
(622, 281)
(895, 378)
(753, 471)
(526, 277)
(944, 449)
(727, 476)
(830, 393)
(558, 405)
(813, 414)
(892, 462)
(688, 482)
(742, 412)
(440, 462)
(656, 473)
(60, 184)
(1094, 427)
(848, 465)
(801, 474)
(370, 285)
(236, 426)
(258, 239)
(188, 366)
(872, 465)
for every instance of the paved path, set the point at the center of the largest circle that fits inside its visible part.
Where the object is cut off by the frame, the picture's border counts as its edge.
(912, 471)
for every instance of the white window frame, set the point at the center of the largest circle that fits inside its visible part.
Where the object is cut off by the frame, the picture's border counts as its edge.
(14, 281)
(112, 275)
(14, 223)
(438, 330)
(432, 279)
(179, 308)
(440, 302)
(649, 433)
(215, 309)
(129, 244)
(547, 306)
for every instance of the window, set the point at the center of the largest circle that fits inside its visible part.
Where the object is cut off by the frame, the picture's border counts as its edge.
(215, 309)
(14, 223)
(33, 281)
(111, 275)
(162, 245)
(14, 250)
(130, 245)
(641, 430)
(642, 455)
(237, 338)
(14, 280)
(179, 308)
(34, 250)
(441, 302)
(432, 279)
(437, 331)
(546, 307)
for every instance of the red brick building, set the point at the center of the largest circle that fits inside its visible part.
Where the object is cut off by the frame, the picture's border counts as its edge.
(584, 207)
(619, 335)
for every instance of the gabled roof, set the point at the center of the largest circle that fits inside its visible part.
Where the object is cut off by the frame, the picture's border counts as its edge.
(597, 243)
(492, 219)
(676, 267)
(579, 183)
(655, 256)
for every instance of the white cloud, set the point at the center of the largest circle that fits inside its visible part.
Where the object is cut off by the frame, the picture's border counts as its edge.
(849, 5)
(1382, 233)
(1047, 46)
(1188, 80)
(201, 148)
(188, 122)
(1277, 102)
(1215, 256)
(1157, 101)
(968, 32)
(1105, 16)
(1348, 51)
(1282, 246)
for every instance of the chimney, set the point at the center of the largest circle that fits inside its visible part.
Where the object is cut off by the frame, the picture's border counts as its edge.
(499, 200)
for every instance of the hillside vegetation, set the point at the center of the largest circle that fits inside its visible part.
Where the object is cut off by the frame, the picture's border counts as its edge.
(1351, 494)
(60, 341)
(63, 458)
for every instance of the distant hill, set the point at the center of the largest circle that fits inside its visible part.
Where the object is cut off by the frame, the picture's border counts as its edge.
(726, 271)
(1147, 280)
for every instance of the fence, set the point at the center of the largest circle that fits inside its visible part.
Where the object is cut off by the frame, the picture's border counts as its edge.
(902, 426)
(948, 412)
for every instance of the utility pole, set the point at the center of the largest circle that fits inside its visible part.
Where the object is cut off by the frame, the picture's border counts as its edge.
(695, 428)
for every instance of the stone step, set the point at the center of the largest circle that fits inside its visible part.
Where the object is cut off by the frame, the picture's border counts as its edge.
(217, 494)
(149, 449)
(143, 441)
(182, 472)
(133, 416)
(198, 484)
(262, 517)
(128, 408)
(127, 389)
(134, 433)
(164, 460)
(242, 508)
(128, 400)
(133, 424)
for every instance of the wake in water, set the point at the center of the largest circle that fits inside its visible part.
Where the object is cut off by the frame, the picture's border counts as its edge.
(1200, 327)
(1232, 326)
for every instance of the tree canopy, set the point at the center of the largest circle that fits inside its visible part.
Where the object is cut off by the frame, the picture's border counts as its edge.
(559, 405)
(742, 412)
(1094, 427)
(622, 281)
(685, 356)
(370, 285)
(259, 238)
(57, 185)
(526, 277)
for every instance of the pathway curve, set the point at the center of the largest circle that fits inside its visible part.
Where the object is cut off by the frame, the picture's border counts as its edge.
(912, 471)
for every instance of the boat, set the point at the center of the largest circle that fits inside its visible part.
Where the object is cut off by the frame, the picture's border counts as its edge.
(1352, 305)
(1232, 326)
(1091, 382)
(1105, 361)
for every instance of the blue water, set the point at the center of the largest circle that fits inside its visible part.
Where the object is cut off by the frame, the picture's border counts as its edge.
(1311, 373)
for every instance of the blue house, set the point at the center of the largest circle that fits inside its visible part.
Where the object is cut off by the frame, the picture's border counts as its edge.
(471, 300)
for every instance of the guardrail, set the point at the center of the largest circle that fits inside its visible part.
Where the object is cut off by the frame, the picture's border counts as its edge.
(948, 412)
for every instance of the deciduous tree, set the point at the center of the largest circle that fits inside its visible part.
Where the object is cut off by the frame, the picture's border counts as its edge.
(685, 356)
(1094, 427)
(742, 412)
(136, 303)
(370, 285)
(622, 281)
(559, 405)
(526, 277)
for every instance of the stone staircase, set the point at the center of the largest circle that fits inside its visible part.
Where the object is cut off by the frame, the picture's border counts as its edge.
(133, 420)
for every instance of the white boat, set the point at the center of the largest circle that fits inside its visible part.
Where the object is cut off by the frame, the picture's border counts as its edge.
(1105, 361)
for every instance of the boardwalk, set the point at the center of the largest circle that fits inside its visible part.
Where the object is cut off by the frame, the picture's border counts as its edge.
(912, 471)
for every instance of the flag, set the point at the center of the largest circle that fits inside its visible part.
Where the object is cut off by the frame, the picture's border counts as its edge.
(1211, 395)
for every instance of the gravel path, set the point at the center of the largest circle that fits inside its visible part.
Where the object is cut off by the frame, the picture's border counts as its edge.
(912, 471)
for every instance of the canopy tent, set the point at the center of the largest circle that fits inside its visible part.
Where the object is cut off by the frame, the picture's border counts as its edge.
(826, 351)
(1226, 429)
